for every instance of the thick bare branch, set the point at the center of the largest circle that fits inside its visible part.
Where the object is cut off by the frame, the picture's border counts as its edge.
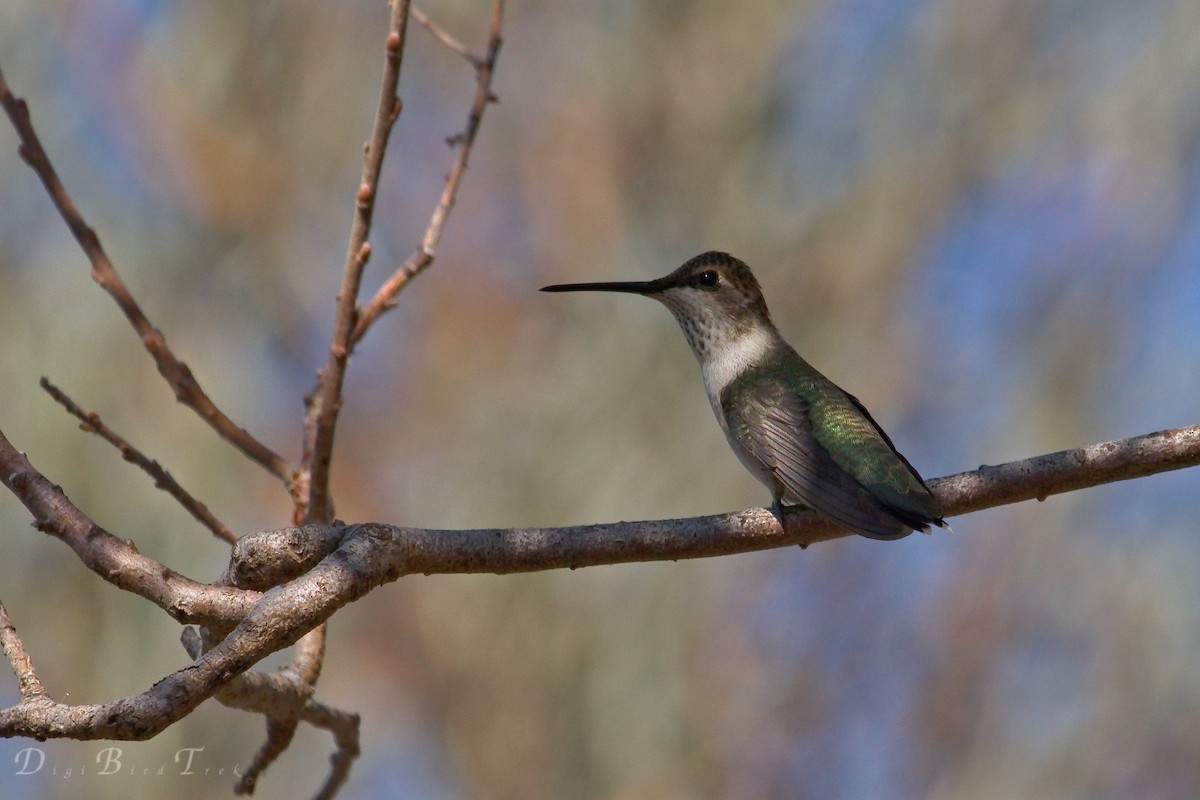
(277, 620)
(177, 374)
(413, 550)
(1070, 470)
(369, 555)
(116, 560)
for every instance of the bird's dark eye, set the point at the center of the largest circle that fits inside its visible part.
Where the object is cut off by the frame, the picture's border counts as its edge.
(709, 278)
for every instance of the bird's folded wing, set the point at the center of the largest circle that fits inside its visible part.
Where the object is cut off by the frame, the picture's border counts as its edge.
(776, 427)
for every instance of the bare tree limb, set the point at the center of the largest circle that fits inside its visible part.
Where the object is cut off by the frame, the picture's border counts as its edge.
(115, 560)
(369, 555)
(414, 550)
(91, 423)
(325, 401)
(177, 374)
(284, 696)
(294, 685)
(277, 620)
(425, 253)
(22, 666)
(224, 652)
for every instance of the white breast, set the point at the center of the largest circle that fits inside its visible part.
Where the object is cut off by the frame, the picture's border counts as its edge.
(733, 358)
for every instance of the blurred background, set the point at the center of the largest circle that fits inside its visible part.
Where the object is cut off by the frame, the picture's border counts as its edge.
(981, 217)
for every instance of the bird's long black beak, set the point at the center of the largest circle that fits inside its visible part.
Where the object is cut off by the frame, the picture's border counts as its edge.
(632, 287)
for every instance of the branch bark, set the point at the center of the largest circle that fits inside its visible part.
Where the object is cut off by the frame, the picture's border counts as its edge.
(325, 401)
(260, 559)
(333, 565)
(116, 560)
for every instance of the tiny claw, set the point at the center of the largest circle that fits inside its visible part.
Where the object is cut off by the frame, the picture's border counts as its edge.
(777, 510)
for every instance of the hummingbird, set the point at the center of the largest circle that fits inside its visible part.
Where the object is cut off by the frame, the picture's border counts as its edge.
(809, 441)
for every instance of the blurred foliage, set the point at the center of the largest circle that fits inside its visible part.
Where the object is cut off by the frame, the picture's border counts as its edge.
(981, 217)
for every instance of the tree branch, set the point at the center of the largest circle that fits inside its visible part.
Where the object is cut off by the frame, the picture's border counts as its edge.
(31, 686)
(117, 560)
(443, 36)
(341, 563)
(91, 423)
(289, 689)
(262, 626)
(277, 620)
(279, 555)
(325, 401)
(177, 374)
(424, 255)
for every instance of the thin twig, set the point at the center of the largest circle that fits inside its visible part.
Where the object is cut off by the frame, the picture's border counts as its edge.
(300, 677)
(424, 255)
(344, 726)
(325, 401)
(175, 372)
(22, 666)
(92, 423)
(280, 732)
(283, 696)
(444, 36)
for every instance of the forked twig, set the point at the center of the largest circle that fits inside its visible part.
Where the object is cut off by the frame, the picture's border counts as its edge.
(299, 680)
(217, 605)
(351, 322)
(91, 422)
(425, 253)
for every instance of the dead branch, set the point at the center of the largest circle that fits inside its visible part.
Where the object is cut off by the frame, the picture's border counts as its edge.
(341, 563)
(91, 423)
(31, 686)
(426, 252)
(413, 550)
(325, 401)
(233, 635)
(177, 374)
(115, 560)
